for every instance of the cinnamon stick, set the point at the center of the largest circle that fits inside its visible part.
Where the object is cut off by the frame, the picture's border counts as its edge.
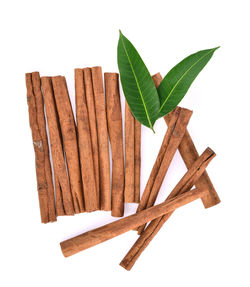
(137, 161)
(64, 202)
(105, 189)
(40, 143)
(185, 184)
(189, 154)
(91, 198)
(114, 117)
(68, 128)
(129, 193)
(106, 232)
(173, 138)
(92, 124)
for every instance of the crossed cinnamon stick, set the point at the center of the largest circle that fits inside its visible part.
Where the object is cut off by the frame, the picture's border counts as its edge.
(187, 181)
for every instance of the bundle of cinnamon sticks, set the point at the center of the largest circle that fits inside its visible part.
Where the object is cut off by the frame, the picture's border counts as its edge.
(79, 178)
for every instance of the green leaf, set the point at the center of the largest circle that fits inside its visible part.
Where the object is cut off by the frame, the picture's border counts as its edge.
(176, 83)
(137, 84)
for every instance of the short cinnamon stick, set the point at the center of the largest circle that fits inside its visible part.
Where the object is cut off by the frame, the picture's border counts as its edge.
(129, 193)
(92, 124)
(174, 136)
(40, 143)
(105, 189)
(64, 202)
(189, 154)
(185, 184)
(91, 198)
(137, 161)
(106, 232)
(114, 117)
(68, 128)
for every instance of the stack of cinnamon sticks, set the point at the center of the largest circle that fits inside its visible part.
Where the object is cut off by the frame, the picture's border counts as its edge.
(82, 181)
(80, 149)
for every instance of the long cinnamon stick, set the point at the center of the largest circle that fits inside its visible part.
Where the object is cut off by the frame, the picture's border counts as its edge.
(68, 128)
(129, 155)
(91, 199)
(174, 137)
(185, 184)
(114, 117)
(106, 232)
(137, 161)
(105, 189)
(40, 143)
(92, 124)
(64, 202)
(42, 126)
(189, 154)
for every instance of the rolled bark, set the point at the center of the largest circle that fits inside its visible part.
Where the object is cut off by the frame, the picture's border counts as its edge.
(137, 161)
(106, 232)
(185, 184)
(105, 189)
(67, 123)
(174, 137)
(64, 201)
(91, 198)
(189, 154)
(92, 124)
(129, 155)
(40, 142)
(114, 117)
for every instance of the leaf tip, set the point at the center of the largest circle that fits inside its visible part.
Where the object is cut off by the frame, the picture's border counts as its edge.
(216, 48)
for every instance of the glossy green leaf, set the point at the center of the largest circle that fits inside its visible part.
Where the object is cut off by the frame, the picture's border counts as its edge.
(176, 83)
(137, 84)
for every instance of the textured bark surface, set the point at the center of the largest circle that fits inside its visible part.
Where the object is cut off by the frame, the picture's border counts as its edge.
(64, 201)
(92, 124)
(129, 155)
(91, 199)
(40, 143)
(102, 130)
(137, 161)
(114, 117)
(67, 123)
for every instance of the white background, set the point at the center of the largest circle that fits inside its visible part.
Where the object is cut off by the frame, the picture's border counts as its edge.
(197, 247)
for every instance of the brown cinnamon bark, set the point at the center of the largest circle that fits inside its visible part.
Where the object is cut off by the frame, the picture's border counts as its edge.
(185, 184)
(105, 189)
(114, 117)
(85, 147)
(174, 136)
(129, 155)
(137, 161)
(64, 202)
(92, 124)
(106, 232)
(189, 154)
(40, 143)
(68, 128)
